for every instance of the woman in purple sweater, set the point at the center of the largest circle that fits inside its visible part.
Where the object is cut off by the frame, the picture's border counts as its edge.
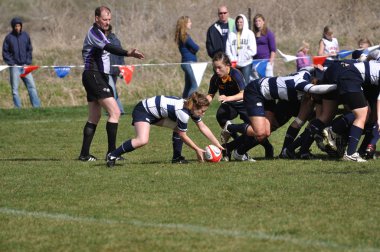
(266, 43)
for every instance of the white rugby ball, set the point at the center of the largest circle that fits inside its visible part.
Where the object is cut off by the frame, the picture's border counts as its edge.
(212, 154)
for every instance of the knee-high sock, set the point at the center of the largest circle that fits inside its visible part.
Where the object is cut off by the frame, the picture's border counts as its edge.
(341, 125)
(248, 143)
(88, 134)
(316, 126)
(355, 133)
(111, 129)
(238, 128)
(177, 145)
(124, 148)
(290, 136)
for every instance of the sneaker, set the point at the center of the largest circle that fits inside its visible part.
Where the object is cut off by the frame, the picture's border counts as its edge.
(354, 157)
(243, 157)
(370, 152)
(88, 158)
(111, 160)
(287, 154)
(179, 160)
(225, 134)
(329, 138)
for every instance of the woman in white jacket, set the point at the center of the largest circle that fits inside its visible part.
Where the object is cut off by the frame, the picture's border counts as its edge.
(241, 46)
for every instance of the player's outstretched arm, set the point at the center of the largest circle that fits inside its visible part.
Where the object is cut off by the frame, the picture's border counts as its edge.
(208, 133)
(187, 140)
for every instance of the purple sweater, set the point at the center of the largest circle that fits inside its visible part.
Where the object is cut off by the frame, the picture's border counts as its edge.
(265, 45)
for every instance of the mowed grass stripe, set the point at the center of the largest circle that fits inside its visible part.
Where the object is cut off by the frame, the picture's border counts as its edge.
(188, 228)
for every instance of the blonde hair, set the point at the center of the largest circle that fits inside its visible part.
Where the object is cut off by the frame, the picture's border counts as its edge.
(303, 46)
(181, 29)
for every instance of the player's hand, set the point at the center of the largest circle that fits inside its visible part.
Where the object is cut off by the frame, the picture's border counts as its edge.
(223, 98)
(136, 54)
(200, 154)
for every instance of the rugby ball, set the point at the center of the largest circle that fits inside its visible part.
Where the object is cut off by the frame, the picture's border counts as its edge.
(213, 154)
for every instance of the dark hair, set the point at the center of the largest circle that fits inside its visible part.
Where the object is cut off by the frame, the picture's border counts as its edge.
(223, 57)
(98, 10)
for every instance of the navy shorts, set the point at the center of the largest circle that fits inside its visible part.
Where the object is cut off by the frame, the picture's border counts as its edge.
(139, 114)
(255, 102)
(96, 85)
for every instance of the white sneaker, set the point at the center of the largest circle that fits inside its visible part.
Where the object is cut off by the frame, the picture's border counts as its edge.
(354, 157)
(329, 138)
(225, 134)
(243, 157)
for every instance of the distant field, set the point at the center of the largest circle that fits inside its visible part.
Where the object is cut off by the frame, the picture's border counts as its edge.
(49, 201)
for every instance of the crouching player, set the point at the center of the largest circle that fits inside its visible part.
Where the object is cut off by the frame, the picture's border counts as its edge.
(171, 112)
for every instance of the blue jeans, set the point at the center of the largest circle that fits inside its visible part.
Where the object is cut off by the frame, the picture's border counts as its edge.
(14, 74)
(112, 82)
(246, 71)
(190, 81)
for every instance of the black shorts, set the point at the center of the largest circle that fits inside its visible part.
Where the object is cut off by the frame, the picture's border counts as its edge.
(96, 85)
(229, 111)
(354, 100)
(350, 81)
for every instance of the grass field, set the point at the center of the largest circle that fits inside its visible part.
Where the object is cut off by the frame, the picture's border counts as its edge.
(49, 201)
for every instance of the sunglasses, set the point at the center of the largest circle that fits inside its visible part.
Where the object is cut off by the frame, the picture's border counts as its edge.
(224, 13)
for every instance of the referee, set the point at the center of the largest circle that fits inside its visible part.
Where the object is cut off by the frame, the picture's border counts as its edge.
(96, 52)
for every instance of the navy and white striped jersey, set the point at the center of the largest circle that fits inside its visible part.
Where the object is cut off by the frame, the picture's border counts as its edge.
(370, 72)
(94, 57)
(290, 88)
(171, 107)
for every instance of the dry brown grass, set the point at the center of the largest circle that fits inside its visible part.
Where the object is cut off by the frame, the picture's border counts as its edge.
(57, 29)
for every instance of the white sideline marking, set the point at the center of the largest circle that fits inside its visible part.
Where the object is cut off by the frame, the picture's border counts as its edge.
(188, 228)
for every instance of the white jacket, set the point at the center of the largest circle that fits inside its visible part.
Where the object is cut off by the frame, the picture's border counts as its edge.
(242, 56)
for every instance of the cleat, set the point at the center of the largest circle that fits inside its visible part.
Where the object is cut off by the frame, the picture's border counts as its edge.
(111, 160)
(119, 158)
(225, 134)
(243, 157)
(287, 154)
(329, 138)
(319, 141)
(370, 152)
(88, 158)
(306, 155)
(179, 160)
(354, 157)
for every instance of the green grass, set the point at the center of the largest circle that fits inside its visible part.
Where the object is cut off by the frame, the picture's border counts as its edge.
(49, 201)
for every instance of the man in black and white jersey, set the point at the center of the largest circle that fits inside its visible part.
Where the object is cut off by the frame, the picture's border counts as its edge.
(96, 50)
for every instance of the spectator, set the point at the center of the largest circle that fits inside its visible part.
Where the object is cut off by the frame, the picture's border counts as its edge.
(114, 71)
(266, 43)
(328, 45)
(241, 46)
(217, 33)
(361, 54)
(17, 51)
(303, 57)
(95, 53)
(188, 49)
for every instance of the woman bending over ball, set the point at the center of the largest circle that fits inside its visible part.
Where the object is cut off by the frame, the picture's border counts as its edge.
(170, 112)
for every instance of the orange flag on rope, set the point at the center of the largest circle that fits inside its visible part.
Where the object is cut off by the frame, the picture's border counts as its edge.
(27, 70)
(127, 72)
(319, 60)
